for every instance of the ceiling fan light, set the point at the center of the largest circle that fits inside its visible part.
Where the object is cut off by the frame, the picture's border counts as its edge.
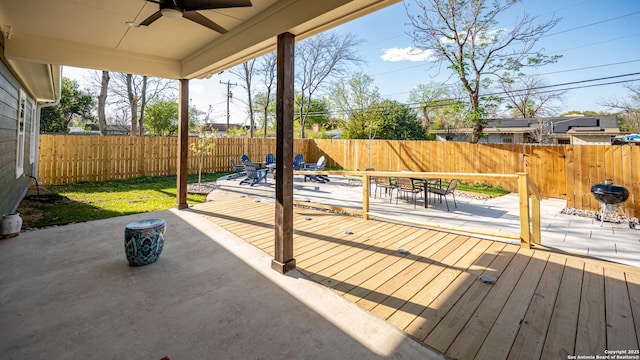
(171, 13)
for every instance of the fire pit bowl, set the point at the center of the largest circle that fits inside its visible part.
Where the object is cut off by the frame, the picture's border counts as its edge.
(610, 194)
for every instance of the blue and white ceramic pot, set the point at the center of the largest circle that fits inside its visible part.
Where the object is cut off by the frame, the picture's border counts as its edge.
(143, 241)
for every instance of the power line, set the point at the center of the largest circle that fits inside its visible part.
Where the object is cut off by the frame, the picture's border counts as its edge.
(591, 24)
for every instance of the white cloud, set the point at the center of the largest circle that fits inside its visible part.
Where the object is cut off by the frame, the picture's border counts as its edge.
(408, 53)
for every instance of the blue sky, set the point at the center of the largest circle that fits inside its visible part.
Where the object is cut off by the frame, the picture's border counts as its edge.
(596, 38)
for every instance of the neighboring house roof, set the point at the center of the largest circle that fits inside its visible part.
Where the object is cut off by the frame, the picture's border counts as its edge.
(222, 127)
(558, 125)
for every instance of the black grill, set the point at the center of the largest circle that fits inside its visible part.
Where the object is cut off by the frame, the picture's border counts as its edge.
(611, 197)
(610, 194)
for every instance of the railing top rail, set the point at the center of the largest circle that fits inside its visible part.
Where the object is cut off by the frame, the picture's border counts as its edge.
(418, 174)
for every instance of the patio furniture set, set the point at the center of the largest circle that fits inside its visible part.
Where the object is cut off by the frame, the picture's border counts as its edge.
(254, 172)
(412, 187)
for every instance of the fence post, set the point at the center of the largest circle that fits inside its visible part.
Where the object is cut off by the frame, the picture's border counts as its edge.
(523, 192)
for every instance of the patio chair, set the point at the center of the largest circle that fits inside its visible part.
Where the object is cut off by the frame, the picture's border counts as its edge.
(244, 158)
(384, 182)
(253, 175)
(408, 187)
(443, 193)
(238, 168)
(269, 159)
(298, 161)
(318, 166)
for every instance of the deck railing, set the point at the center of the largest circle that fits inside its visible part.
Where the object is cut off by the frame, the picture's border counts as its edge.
(529, 201)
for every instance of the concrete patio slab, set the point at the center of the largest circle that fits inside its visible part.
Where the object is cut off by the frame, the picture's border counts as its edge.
(68, 293)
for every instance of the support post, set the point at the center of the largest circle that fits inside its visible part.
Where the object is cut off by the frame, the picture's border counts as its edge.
(366, 184)
(183, 145)
(523, 192)
(283, 254)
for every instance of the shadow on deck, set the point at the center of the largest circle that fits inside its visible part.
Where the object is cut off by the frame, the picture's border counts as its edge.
(543, 305)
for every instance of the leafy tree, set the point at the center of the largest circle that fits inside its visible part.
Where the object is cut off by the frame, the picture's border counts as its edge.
(355, 95)
(430, 98)
(355, 100)
(399, 122)
(162, 117)
(465, 35)
(317, 113)
(74, 103)
(318, 60)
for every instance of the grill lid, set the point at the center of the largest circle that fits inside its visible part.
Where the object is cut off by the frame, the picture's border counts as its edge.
(610, 194)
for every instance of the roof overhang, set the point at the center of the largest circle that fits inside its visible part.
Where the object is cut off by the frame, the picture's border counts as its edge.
(94, 34)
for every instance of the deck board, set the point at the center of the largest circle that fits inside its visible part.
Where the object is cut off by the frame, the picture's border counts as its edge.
(591, 319)
(543, 304)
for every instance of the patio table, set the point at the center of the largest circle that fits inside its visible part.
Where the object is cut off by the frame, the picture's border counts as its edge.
(426, 182)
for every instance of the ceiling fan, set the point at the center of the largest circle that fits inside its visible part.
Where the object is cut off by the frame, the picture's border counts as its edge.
(175, 9)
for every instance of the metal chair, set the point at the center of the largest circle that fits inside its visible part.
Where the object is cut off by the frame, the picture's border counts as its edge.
(384, 182)
(407, 186)
(443, 193)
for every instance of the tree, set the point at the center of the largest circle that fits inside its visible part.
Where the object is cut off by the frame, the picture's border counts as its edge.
(399, 122)
(203, 146)
(429, 97)
(162, 117)
(263, 102)
(102, 103)
(629, 109)
(318, 60)
(131, 93)
(541, 130)
(355, 100)
(267, 66)
(465, 35)
(74, 103)
(527, 97)
(245, 73)
(317, 113)
(355, 95)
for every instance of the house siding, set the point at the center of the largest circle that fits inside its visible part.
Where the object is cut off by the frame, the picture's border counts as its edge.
(12, 189)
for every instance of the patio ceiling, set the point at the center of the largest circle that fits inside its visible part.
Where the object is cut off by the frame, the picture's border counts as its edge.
(94, 34)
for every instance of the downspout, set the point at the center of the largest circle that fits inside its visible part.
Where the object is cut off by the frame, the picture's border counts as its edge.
(57, 93)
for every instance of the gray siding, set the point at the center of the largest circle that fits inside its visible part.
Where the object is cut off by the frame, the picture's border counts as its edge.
(12, 189)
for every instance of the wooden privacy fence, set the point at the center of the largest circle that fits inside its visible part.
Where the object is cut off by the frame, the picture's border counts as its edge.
(558, 171)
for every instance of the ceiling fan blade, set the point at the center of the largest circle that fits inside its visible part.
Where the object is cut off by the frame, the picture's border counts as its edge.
(204, 21)
(193, 5)
(155, 16)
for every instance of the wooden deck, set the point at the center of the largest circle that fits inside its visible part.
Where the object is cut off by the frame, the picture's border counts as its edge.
(543, 305)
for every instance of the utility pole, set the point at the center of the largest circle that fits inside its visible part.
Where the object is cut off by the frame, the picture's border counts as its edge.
(229, 96)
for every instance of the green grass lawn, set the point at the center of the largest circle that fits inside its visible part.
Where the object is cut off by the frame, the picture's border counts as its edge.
(82, 201)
